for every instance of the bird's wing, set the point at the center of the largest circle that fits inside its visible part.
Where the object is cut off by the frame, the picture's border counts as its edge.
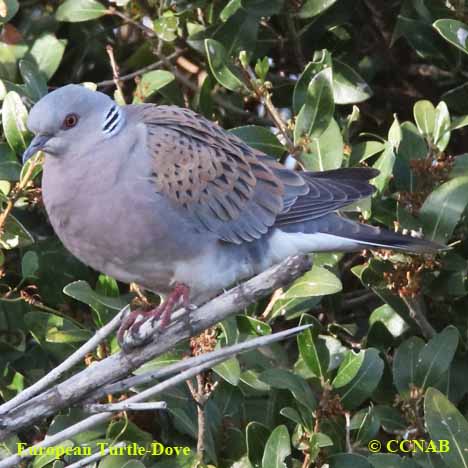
(229, 188)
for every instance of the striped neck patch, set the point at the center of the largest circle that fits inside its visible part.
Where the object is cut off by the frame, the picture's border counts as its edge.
(113, 121)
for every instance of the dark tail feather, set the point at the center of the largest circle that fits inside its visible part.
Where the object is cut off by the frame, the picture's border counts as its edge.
(375, 237)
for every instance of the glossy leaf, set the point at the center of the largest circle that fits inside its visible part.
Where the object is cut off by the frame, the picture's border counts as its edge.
(348, 369)
(150, 83)
(14, 117)
(453, 31)
(80, 10)
(317, 112)
(443, 208)
(219, 66)
(283, 379)
(445, 423)
(326, 151)
(277, 448)
(259, 138)
(317, 282)
(424, 115)
(348, 86)
(314, 353)
(365, 381)
(436, 356)
(47, 52)
(311, 8)
(8, 9)
(36, 86)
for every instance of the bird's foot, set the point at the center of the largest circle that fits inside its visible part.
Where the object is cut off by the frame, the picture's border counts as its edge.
(136, 318)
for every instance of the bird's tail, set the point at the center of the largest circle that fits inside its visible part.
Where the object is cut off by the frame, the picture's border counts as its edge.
(337, 233)
(375, 237)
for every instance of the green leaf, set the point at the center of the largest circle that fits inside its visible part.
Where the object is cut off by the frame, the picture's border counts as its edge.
(314, 7)
(256, 435)
(75, 11)
(326, 151)
(412, 144)
(442, 126)
(365, 381)
(443, 208)
(321, 62)
(229, 9)
(36, 86)
(259, 138)
(445, 423)
(390, 319)
(405, 363)
(14, 117)
(316, 282)
(277, 448)
(317, 112)
(10, 170)
(384, 164)
(219, 66)
(314, 353)
(365, 150)
(29, 264)
(51, 328)
(14, 234)
(394, 133)
(283, 379)
(436, 356)
(348, 86)
(82, 291)
(454, 32)
(229, 370)
(391, 419)
(348, 369)
(47, 52)
(8, 9)
(166, 26)
(424, 116)
(150, 83)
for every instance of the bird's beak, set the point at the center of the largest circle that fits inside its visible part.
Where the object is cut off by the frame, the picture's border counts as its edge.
(37, 143)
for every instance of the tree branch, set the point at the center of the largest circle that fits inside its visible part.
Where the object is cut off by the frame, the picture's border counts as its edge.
(65, 366)
(151, 392)
(119, 365)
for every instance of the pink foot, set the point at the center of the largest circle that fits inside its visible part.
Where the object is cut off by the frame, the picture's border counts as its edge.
(180, 294)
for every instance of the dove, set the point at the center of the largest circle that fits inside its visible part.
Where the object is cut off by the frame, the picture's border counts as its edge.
(160, 196)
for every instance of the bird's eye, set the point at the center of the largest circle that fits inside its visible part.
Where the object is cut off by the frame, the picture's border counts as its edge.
(70, 121)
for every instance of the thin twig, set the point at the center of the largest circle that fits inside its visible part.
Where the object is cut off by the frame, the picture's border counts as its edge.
(143, 70)
(198, 394)
(349, 446)
(264, 97)
(65, 366)
(151, 392)
(17, 192)
(115, 70)
(183, 325)
(147, 377)
(88, 461)
(417, 311)
(125, 406)
(219, 100)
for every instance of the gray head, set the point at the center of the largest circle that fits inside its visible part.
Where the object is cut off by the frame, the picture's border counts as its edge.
(70, 116)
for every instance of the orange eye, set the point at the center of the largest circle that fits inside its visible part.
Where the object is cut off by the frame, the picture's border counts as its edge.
(70, 121)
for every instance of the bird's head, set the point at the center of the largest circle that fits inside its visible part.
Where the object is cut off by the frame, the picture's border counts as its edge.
(72, 116)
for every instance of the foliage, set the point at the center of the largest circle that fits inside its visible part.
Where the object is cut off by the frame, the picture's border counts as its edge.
(335, 83)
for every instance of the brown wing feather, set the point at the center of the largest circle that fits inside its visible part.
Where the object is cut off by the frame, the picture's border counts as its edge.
(215, 176)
